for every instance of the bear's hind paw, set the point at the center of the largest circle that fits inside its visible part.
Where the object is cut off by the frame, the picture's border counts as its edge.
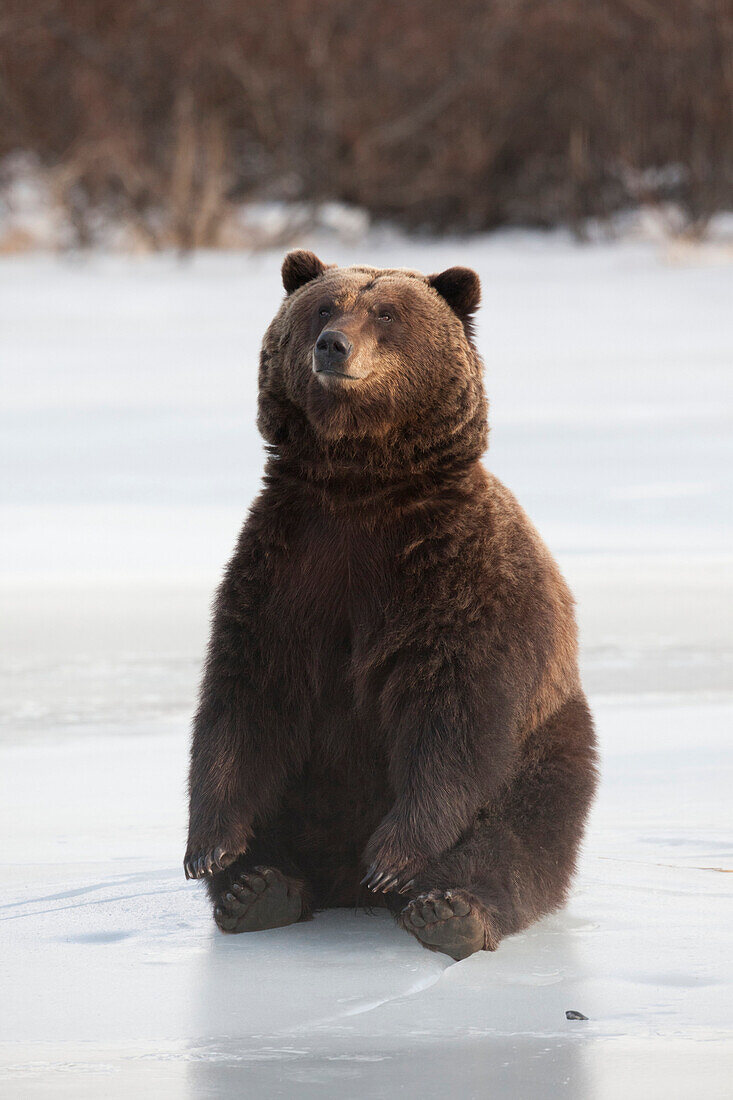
(450, 921)
(259, 899)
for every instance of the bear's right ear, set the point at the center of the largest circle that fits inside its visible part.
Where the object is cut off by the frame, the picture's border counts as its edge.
(299, 268)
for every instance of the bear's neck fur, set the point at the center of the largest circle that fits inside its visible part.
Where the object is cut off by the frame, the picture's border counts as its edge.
(407, 464)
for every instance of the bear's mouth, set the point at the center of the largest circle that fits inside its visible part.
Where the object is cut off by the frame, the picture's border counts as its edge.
(335, 373)
(329, 373)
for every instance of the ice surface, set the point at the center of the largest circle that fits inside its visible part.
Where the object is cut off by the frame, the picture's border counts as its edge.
(128, 458)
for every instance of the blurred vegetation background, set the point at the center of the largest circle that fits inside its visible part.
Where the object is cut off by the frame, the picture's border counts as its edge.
(169, 115)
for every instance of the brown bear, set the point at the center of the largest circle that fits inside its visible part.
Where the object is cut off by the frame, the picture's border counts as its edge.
(391, 710)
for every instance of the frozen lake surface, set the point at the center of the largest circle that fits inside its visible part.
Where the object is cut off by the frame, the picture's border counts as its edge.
(128, 457)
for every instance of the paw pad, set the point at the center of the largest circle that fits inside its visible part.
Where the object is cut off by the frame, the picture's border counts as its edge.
(258, 899)
(446, 921)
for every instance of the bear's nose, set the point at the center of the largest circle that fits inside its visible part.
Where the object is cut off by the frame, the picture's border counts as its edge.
(333, 348)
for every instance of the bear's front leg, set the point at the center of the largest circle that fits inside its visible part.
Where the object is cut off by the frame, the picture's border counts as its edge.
(218, 834)
(249, 731)
(221, 808)
(451, 748)
(395, 854)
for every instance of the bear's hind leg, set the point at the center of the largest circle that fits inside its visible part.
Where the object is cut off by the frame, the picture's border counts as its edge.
(264, 888)
(260, 898)
(516, 862)
(451, 921)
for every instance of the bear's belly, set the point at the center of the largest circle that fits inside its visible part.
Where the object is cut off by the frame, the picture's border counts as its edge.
(329, 812)
(332, 807)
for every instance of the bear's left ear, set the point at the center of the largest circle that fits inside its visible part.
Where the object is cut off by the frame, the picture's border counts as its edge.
(299, 268)
(461, 288)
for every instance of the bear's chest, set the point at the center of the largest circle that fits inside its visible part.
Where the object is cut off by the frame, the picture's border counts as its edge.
(333, 587)
(336, 578)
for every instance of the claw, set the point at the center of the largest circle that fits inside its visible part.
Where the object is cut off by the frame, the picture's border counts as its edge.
(387, 884)
(205, 863)
(416, 919)
(407, 887)
(367, 876)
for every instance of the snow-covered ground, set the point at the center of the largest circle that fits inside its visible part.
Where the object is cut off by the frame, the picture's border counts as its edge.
(128, 456)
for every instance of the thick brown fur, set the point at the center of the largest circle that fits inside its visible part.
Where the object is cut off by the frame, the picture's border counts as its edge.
(392, 682)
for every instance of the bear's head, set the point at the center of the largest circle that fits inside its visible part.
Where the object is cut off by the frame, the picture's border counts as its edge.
(372, 367)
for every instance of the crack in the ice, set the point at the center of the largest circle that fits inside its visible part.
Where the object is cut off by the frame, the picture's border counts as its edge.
(426, 983)
(672, 866)
(360, 1010)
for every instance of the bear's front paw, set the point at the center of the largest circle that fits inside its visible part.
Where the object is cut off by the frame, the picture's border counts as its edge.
(207, 861)
(390, 865)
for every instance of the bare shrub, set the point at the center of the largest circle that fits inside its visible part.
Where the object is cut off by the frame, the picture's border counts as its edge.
(458, 116)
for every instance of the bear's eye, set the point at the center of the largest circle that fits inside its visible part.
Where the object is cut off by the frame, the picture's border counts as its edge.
(324, 311)
(385, 315)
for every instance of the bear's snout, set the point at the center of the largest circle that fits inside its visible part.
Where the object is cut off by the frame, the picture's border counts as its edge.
(332, 350)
